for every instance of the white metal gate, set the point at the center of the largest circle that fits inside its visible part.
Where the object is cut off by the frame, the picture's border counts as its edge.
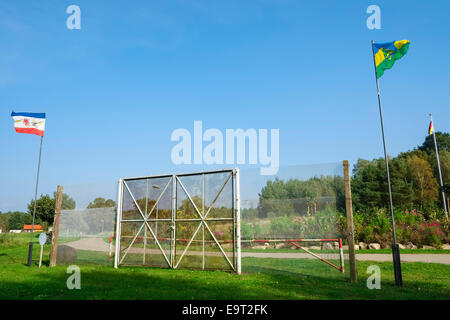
(187, 220)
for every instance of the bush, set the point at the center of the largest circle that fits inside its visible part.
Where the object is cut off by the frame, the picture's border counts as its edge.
(411, 225)
(9, 240)
(368, 234)
(432, 233)
(250, 231)
(382, 223)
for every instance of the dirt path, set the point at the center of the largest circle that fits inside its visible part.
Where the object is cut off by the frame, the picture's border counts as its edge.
(98, 244)
(90, 244)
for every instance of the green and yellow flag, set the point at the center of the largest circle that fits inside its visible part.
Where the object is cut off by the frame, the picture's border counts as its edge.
(387, 53)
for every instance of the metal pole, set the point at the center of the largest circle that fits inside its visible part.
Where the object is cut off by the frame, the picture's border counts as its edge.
(395, 253)
(118, 222)
(30, 247)
(156, 222)
(203, 226)
(145, 229)
(173, 226)
(439, 169)
(238, 222)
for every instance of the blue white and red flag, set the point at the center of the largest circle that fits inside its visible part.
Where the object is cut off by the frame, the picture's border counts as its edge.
(27, 122)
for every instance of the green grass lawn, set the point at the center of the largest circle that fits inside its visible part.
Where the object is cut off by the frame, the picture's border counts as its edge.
(261, 279)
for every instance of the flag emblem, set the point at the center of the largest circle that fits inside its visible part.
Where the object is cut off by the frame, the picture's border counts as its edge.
(431, 128)
(26, 122)
(387, 53)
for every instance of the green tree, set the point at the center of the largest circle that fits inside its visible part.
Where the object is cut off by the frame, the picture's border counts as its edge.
(414, 177)
(102, 203)
(45, 208)
(18, 219)
(444, 160)
(302, 197)
(402, 186)
(4, 225)
(367, 183)
(442, 140)
(423, 181)
(67, 202)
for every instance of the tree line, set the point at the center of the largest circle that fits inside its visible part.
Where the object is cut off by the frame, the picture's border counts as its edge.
(414, 178)
(414, 181)
(45, 211)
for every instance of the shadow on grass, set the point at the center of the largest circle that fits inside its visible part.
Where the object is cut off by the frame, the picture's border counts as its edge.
(262, 279)
(259, 282)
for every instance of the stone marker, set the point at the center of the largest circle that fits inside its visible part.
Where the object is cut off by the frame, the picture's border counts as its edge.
(259, 247)
(66, 255)
(411, 245)
(362, 246)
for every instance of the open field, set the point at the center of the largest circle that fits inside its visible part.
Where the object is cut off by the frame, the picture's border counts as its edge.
(262, 279)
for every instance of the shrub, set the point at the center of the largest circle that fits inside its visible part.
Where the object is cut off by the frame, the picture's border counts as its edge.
(411, 225)
(9, 240)
(368, 234)
(251, 231)
(432, 233)
(382, 223)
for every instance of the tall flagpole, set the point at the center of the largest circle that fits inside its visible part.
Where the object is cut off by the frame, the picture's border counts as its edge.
(439, 169)
(395, 248)
(30, 248)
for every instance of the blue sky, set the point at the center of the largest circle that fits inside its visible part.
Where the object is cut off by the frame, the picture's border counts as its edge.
(137, 70)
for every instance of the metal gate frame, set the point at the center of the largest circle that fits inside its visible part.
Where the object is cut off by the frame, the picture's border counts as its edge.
(202, 218)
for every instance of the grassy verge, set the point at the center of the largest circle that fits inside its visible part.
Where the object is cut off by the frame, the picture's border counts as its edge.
(261, 279)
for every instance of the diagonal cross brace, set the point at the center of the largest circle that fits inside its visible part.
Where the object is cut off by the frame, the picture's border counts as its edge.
(204, 223)
(146, 223)
(190, 199)
(218, 194)
(134, 239)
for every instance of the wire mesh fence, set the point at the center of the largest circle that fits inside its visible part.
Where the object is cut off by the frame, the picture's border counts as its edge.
(178, 221)
(296, 214)
(86, 226)
(189, 221)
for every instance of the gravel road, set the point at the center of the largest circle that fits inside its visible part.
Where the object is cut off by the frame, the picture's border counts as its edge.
(98, 244)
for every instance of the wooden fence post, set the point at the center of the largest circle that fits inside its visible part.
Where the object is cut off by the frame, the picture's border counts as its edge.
(350, 225)
(58, 204)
